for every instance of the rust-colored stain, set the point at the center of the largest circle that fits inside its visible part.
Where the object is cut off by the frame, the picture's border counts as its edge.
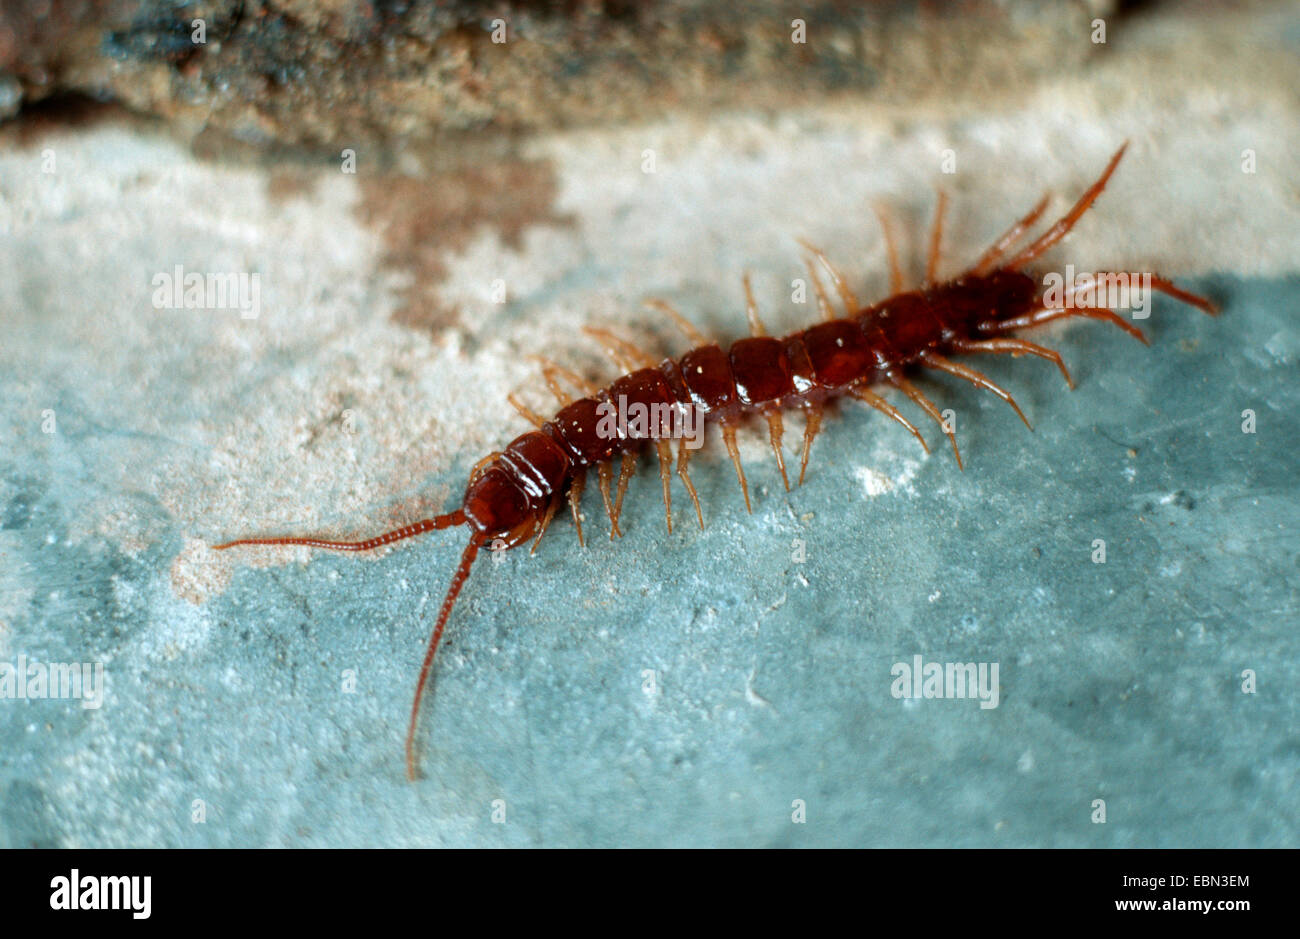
(423, 219)
(63, 112)
(286, 183)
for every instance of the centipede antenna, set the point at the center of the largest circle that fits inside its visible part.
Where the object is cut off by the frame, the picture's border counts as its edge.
(457, 582)
(450, 520)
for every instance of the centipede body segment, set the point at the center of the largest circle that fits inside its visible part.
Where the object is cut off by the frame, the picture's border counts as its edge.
(513, 495)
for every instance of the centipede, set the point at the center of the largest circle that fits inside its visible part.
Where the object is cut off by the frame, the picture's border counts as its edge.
(513, 495)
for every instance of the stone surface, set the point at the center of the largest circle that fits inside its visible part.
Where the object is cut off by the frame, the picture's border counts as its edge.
(665, 690)
(349, 72)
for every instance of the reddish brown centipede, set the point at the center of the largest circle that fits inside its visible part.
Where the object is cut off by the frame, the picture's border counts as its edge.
(513, 495)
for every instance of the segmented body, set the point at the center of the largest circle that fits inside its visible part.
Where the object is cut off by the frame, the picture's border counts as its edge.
(514, 494)
(510, 498)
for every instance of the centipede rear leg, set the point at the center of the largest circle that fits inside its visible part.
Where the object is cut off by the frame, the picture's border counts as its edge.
(991, 262)
(1158, 282)
(1014, 348)
(1094, 310)
(1066, 221)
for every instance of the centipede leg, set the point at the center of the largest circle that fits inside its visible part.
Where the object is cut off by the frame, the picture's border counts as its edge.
(479, 468)
(929, 407)
(575, 502)
(847, 297)
(775, 432)
(756, 327)
(729, 438)
(604, 475)
(664, 451)
(891, 248)
(1162, 284)
(978, 379)
(683, 458)
(693, 335)
(550, 369)
(546, 523)
(525, 412)
(625, 471)
(936, 237)
(625, 354)
(1009, 237)
(884, 407)
(1030, 320)
(1015, 348)
(812, 411)
(1068, 220)
(823, 302)
(548, 375)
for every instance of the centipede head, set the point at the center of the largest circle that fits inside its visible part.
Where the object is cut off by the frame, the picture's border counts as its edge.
(497, 510)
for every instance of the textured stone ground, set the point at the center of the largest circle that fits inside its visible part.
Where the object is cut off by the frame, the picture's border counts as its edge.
(339, 73)
(375, 375)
